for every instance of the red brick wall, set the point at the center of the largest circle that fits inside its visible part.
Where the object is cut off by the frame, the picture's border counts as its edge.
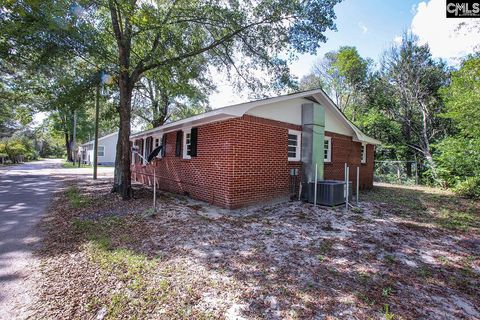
(204, 177)
(244, 161)
(345, 150)
(261, 167)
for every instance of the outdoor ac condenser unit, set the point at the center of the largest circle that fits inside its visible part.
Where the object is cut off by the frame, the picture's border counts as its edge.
(329, 192)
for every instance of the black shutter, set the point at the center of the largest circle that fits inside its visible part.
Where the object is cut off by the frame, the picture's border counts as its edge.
(164, 144)
(193, 142)
(178, 145)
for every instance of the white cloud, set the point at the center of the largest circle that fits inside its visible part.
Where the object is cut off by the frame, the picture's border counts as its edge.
(363, 27)
(397, 40)
(450, 39)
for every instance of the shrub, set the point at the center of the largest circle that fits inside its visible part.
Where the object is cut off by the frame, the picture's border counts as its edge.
(469, 188)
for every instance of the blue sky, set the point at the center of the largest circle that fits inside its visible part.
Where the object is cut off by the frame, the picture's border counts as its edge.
(374, 25)
(370, 26)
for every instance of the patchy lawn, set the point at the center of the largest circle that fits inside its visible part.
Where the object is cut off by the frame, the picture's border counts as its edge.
(405, 254)
(71, 165)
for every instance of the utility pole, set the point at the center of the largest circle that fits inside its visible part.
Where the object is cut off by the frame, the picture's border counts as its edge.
(95, 143)
(74, 135)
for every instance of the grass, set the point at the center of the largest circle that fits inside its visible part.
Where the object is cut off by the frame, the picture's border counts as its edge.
(446, 210)
(71, 165)
(137, 293)
(140, 284)
(76, 199)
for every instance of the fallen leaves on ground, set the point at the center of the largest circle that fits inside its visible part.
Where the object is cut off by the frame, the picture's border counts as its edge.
(108, 258)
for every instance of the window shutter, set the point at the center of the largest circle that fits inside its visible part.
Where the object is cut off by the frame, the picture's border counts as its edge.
(193, 142)
(164, 144)
(178, 145)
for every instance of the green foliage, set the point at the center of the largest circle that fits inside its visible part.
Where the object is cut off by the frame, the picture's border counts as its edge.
(470, 187)
(462, 98)
(458, 156)
(18, 146)
(13, 149)
(343, 74)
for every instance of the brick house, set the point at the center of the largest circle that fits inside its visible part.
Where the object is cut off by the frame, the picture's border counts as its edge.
(243, 154)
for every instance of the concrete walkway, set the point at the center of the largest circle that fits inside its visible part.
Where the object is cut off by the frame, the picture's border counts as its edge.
(25, 192)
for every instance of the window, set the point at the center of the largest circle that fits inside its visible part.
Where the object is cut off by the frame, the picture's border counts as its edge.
(363, 153)
(190, 143)
(157, 141)
(187, 146)
(294, 140)
(148, 146)
(101, 151)
(327, 149)
(178, 144)
(139, 150)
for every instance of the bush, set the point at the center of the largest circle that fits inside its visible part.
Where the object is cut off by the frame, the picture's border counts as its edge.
(13, 148)
(469, 188)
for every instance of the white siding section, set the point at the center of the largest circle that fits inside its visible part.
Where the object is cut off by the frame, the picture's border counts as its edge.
(109, 142)
(290, 111)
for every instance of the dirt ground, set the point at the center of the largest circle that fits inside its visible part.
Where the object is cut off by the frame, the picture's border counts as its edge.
(404, 253)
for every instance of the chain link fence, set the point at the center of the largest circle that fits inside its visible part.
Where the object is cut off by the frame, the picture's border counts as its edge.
(396, 172)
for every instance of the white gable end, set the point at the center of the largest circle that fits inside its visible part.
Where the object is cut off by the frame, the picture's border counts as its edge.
(290, 111)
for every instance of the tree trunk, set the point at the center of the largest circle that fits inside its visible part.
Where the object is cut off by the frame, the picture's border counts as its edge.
(68, 145)
(407, 135)
(426, 146)
(122, 181)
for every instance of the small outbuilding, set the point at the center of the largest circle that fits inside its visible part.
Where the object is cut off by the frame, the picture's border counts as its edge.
(255, 152)
(107, 150)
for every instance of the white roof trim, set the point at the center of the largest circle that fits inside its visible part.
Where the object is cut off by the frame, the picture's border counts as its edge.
(238, 110)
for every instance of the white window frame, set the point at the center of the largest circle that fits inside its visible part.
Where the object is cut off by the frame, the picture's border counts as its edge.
(103, 151)
(298, 146)
(186, 132)
(328, 159)
(363, 153)
(155, 145)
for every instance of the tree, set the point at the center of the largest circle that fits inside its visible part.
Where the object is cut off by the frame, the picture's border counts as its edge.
(458, 156)
(173, 93)
(414, 78)
(343, 74)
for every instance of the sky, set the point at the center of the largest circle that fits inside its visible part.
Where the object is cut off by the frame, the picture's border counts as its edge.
(373, 26)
